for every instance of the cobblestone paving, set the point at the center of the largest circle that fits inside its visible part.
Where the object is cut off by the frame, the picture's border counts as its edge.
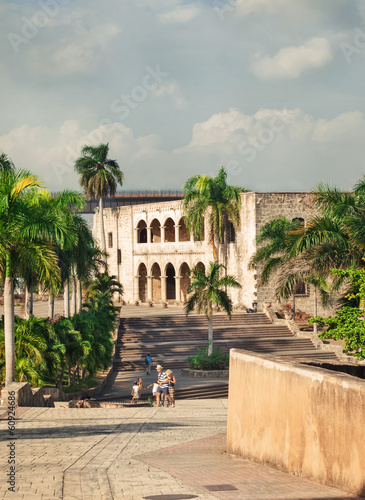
(131, 453)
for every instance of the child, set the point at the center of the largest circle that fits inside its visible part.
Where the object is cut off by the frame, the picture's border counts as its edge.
(154, 389)
(135, 392)
(140, 385)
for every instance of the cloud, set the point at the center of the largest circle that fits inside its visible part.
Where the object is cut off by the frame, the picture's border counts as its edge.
(246, 7)
(171, 88)
(291, 62)
(78, 51)
(180, 14)
(272, 149)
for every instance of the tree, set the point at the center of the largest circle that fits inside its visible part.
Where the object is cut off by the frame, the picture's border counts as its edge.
(207, 291)
(348, 324)
(22, 223)
(5, 162)
(99, 178)
(214, 198)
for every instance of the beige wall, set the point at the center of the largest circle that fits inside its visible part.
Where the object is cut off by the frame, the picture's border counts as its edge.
(300, 419)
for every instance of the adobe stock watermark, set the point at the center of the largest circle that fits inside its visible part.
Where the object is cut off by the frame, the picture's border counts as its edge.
(123, 106)
(267, 135)
(357, 46)
(30, 26)
(127, 102)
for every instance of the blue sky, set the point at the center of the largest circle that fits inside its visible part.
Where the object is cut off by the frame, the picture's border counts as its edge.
(272, 90)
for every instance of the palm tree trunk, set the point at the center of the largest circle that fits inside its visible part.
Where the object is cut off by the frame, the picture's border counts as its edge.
(28, 301)
(315, 326)
(66, 298)
(78, 296)
(73, 295)
(51, 305)
(102, 231)
(9, 325)
(210, 334)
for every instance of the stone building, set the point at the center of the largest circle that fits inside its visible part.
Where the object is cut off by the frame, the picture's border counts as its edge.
(151, 252)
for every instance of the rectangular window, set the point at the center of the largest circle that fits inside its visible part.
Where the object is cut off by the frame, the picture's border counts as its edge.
(110, 240)
(301, 289)
(119, 254)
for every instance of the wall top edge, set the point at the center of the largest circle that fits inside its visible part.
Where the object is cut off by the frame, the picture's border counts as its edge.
(315, 373)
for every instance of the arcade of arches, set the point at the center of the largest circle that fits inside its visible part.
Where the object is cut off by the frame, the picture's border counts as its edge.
(154, 287)
(167, 233)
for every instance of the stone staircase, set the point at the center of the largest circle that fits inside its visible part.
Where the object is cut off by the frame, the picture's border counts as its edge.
(171, 339)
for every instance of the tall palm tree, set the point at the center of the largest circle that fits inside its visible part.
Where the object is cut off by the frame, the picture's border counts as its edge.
(206, 289)
(22, 222)
(100, 177)
(214, 198)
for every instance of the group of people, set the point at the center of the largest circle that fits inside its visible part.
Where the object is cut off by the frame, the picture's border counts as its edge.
(164, 385)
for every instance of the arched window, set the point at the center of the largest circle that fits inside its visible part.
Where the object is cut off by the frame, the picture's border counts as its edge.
(169, 230)
(142, 232)
(183, 231)
(170, 282)
(299, 220)
(142, 282)
(155, 231)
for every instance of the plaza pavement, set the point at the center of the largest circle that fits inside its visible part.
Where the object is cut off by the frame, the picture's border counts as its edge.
(137, 453)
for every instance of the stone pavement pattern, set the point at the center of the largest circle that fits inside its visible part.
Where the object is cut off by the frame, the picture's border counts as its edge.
(131, 453)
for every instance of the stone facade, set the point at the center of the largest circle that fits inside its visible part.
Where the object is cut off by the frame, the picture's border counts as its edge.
(151, 253)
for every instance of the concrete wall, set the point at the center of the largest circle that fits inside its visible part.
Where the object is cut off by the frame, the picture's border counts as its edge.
(304, 420)
(25, 395)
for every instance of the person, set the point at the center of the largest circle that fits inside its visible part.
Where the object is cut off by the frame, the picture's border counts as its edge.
(162, 386)
(135, 392)
(172, 381)
(154, 386)
(148, 361)
(140, 385)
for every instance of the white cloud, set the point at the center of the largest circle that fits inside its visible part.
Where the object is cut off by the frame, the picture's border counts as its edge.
(291, 62)
(246, 7)
(272, 149)
(181, 14)
(77, 52)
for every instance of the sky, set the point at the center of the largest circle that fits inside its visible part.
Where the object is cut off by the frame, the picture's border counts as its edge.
(273, 90)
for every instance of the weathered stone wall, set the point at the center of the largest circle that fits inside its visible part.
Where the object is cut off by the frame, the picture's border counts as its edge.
(303, 420)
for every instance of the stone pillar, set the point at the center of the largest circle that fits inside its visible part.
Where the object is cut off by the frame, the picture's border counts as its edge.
(178, 288)
(149, 288)
(163, 234)
(135, 235)
(163, 288)
(177, 239)
(148, 234)
(136, 288)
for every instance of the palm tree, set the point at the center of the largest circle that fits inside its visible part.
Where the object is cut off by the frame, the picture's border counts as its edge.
(21, 223)
(207, 291)
(99, 178)
(211, 196)
(5, 162)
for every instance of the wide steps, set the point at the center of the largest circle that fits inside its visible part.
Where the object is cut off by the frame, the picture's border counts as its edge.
(171, 339)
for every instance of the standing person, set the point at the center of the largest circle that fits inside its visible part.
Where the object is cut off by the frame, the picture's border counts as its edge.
(135, 392)
(162, 386)
(147, 362)
(172, 381)
(154, 386)
(140, 385)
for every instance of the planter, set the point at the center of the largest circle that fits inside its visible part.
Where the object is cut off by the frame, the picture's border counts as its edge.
(188, 372)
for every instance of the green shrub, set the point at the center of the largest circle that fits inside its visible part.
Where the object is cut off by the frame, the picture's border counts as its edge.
(202, 361)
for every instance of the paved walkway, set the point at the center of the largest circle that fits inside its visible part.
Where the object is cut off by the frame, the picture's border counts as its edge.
(136, 453)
